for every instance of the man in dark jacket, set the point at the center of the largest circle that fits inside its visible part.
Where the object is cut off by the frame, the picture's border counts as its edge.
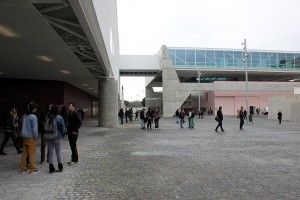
(142, 117)
(74, 123)
(220, 116)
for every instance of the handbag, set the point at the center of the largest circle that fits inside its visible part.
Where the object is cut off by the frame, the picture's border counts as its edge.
(217, 118)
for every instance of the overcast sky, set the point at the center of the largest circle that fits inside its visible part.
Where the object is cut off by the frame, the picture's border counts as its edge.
(146, 25)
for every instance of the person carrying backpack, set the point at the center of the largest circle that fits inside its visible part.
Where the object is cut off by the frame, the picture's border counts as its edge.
(54, 132)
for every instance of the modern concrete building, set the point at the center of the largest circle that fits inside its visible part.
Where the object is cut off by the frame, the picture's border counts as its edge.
(208, 78)
(60, 51)
(64, 51)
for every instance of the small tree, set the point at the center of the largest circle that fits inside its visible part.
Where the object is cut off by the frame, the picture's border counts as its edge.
(127, 103)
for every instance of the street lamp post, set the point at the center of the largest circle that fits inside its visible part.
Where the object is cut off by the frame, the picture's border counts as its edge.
(199, 74)
(246, 72)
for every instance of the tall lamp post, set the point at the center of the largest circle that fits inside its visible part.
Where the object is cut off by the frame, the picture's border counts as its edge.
(245, 56)
(199, 74)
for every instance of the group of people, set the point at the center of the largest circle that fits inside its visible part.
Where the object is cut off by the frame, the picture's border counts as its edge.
(180, 117)
(147, 118)
(28, 127)
(128, 114)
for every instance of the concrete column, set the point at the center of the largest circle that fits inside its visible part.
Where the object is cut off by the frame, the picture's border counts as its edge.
(108, 103)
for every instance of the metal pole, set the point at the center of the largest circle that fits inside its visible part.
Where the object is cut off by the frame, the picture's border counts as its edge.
(246, 73)
(199, 74)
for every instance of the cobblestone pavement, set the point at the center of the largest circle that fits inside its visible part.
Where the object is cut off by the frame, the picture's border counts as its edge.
(260, 162)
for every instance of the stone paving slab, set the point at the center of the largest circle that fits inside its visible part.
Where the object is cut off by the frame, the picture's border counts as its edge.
(260, 162)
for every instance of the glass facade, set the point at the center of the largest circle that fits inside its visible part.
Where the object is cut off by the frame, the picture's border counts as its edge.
(232, 59)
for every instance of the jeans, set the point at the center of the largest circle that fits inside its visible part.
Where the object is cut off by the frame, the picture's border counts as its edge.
(54, 144)
(156, 123)
(219, 125)
(29, 146)
(72, 141)
(143, 123)
(241, 122)
(149, 122)
(181, 123)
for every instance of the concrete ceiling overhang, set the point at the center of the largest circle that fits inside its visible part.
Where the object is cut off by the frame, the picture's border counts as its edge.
(52, 40)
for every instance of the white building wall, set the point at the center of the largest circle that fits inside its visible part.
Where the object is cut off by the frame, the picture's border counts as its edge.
(108, 22)
(139, 62)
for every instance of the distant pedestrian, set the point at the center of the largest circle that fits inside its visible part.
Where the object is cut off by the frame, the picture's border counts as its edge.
(126, 115)
(245, 114)
(142, 117)
(220, 116)
(149, 116)
(181, 117)
(279, 116)
(121, 115)
(136, 115)
(201, 114)
(242, 117)
(191, 116)
(177, 116)
(10, 125)
(156, 118)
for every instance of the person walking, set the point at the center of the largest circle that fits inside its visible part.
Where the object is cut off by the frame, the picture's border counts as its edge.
(56, 143)
(142, 117)
(220, 116)
(121, 115)
(279, 116)
(9, 127)
(181, 116)
(126, 115)
(156, 118)
(136, 115)
(74, 123)
(177, 116)
(190, 118)
(242, 117)
(29, 133)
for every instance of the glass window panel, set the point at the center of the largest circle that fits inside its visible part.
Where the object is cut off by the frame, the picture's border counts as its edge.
(281, 60)
(264, 60)
(172, 55)
(190, 58)
(210, 58)
(219, 59)
(290, 60)
(238, 56)
(297, 61)
(180, 58)
(272, 60)
(200, 58)
(255, 59)
(228, 59)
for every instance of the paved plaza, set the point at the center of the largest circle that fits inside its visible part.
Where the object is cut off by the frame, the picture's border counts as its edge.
(260, 162)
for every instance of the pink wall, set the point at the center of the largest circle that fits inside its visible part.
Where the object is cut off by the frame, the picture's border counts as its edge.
(231, 101)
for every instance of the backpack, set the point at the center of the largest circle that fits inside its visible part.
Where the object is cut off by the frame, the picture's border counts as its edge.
(193, 114)
(50, 128)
